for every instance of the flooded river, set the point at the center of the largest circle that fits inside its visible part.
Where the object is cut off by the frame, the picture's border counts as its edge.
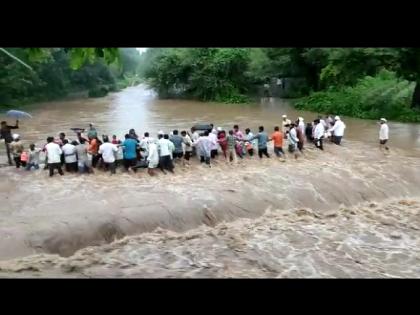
(350, 211)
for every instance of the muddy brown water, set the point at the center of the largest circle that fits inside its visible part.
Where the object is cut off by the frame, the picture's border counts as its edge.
(347, 212)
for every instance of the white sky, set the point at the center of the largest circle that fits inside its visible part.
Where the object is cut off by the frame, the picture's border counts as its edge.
(141, 50)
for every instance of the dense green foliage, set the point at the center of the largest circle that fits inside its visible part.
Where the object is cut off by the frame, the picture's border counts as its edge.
(351, 81)
(371, 97)
(37, 74)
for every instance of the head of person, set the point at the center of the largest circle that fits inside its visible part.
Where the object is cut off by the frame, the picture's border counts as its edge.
(292, 125)
(308, 124)
(337, 118)
(261, 128)
(32, 146)
(105, 138)
(62, 135)
(231, 132)
(247, 130)
(183, 133)
(316, 121)
(74, 142)
(15, 137)
(90, 126)
(50, 139)
(284, 117)
(383, 121)
(236, 128)
(212, 126)
(82, 141)
(65, 141)
(146, 135)
(192, 129)
(114, 137)
(3, 124)
(165, 136)
(276, 128)
(127, 136)
(175, 132)
(206, 133)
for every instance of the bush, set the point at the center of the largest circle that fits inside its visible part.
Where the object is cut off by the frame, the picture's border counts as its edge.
(99, 91)
(372, 97)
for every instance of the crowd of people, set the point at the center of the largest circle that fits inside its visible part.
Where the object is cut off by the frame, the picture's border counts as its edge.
(87, 152)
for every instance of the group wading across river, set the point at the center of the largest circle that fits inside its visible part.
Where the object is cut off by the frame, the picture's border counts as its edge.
(88, 152)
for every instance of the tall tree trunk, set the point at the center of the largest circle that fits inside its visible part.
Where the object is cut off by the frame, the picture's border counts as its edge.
(415, 102)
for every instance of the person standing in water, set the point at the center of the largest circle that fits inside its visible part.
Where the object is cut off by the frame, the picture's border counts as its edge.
(383, 134)
(83, 163)
(165, 149)
(6, 134)
(92, 133)
(231, 150)
(33, 160)
(17, 148)
(177, 140)
(108, 150)
(319, 134)
(204, 146)
(53, 156)
(278, 137)
(285, 124)
(293, 140)
(338, 130)
(130, 153)
(262, 138)
(152, 157)
(70, 156)
(250, 144)
(188, 144)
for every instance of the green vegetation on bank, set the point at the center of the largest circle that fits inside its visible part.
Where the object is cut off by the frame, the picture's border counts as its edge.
(40, 74)
(361, 82)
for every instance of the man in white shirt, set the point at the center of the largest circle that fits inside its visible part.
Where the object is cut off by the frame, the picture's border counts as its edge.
(383, 134)
(108, 151)
(204, 145)
(153, 156)
(166, 148)
(338, 130)
(319, 134)
(285, 124)
(144, 145)
(53, 156)
(214, 145)
(70, 157)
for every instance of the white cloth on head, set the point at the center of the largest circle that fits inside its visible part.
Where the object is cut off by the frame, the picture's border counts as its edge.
(15, 136)
(53, 153)
(384, 132)
(107, 150)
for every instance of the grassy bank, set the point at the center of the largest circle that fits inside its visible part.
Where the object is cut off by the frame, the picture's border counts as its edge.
(371, 98)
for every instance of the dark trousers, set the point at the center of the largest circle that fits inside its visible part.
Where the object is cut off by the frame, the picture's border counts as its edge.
(319, 144)
(95, 160)
(205, 159)
(71, 167)
(251, 152)
(130, 163)
(213, 153)
(263, 151)
(278, 150)
(110, 166)
(165, 163)
(9, 157)
(52, 166)
(300, 145)
(18, 162)
(187, 155)
(337, 140)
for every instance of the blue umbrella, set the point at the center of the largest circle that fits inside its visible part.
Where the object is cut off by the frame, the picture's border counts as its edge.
(18, 114)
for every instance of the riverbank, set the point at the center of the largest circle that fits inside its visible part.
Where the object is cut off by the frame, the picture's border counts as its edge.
(62, 215)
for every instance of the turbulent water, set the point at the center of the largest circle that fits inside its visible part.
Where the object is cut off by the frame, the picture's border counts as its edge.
(351, 211)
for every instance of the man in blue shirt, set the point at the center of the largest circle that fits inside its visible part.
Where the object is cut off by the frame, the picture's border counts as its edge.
(130, 153)
(262, 138)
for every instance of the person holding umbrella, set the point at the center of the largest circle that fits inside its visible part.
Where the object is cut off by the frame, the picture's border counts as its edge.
(6, 134)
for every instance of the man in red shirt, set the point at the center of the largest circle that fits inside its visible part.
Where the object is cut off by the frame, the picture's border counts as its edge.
(277, 137)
